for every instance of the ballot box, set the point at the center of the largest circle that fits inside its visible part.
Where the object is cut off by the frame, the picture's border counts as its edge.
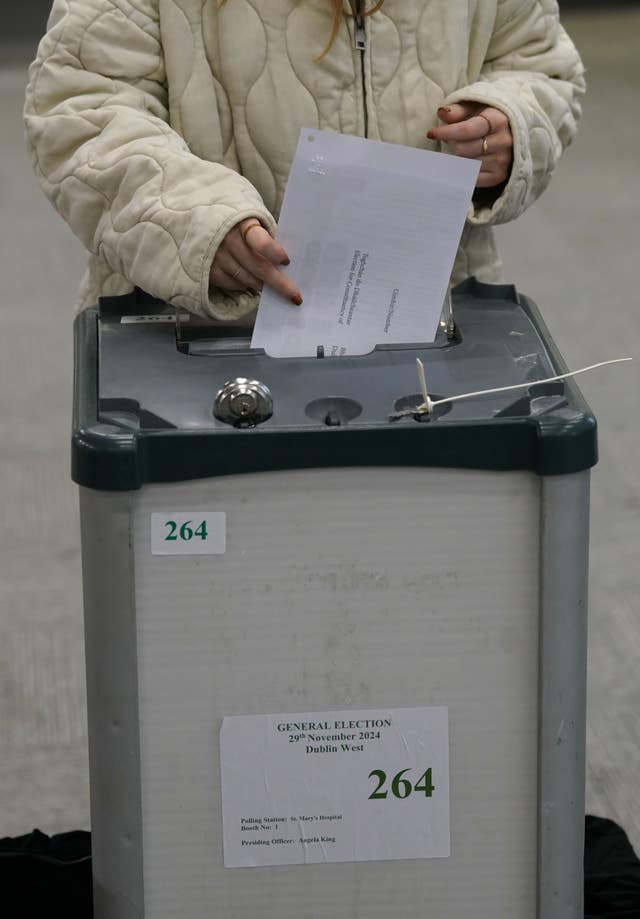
(335, 647)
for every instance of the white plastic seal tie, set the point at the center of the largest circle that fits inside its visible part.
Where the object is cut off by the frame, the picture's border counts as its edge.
(427, 406)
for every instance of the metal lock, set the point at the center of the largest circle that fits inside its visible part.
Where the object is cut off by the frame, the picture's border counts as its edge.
(243, 403)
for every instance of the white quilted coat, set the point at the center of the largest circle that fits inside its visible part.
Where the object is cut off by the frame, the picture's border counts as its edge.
(156, 125)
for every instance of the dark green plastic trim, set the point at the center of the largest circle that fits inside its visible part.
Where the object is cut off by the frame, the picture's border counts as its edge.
(107, 458)
(102, 456)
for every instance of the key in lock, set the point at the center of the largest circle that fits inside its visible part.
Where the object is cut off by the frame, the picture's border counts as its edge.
(243, 403)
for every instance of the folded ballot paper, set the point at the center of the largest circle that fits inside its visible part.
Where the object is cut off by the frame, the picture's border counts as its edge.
(372, 231)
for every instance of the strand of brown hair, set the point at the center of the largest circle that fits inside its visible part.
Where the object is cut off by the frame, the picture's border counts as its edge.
(338, 13)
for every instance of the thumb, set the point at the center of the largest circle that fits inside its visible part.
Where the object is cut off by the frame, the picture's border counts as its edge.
(457, 111)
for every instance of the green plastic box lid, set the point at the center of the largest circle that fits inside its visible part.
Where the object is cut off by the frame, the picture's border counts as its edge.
(145, 388)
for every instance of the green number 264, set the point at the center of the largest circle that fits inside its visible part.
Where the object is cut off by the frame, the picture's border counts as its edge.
(401, 787)
(186, 532)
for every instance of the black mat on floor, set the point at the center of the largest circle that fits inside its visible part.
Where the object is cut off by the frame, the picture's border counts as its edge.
(51, 876)
(42, 876)
(611, 872)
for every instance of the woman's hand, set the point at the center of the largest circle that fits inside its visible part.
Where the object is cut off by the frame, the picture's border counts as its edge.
(481, 133)
(247, 258)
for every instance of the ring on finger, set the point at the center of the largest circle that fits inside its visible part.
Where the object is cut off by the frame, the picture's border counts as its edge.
(489, 125)
(236, 272)
(485, 146)
(256, 223)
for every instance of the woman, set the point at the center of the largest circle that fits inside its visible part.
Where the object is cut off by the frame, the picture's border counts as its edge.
(163, 130)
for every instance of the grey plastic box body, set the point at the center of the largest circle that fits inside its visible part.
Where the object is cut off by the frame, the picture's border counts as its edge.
(370, 563)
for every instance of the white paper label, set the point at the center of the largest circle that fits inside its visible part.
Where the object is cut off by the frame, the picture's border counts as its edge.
(147, 319)
(188, 533)
(335, 786)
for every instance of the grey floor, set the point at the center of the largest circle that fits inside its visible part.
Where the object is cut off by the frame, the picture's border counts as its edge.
(576, 253)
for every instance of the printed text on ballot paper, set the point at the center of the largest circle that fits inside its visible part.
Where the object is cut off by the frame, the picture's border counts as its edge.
(374, 261)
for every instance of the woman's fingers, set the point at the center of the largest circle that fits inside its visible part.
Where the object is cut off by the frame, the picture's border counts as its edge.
(495, 153)
(262, 243)
(458, 111)
(485, 121)
(486, 145)
(279, 282)
(221, 279)
(494, 169)
(489, 178)
(256, 249)
(478, 132)
(470, 129)
(226, 264)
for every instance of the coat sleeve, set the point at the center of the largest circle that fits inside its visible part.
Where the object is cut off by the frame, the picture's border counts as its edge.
(533, 73)
(98, 131)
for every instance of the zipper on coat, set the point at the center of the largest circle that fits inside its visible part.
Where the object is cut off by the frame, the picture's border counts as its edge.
(360, 44)
(360, 36)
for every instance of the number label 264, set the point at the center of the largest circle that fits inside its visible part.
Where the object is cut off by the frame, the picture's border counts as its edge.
(189, 533)
(186, 532)
(401, 787)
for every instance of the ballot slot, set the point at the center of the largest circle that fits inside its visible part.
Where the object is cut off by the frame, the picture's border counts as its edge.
(202, 337)
(199, 337)
(230, 344)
